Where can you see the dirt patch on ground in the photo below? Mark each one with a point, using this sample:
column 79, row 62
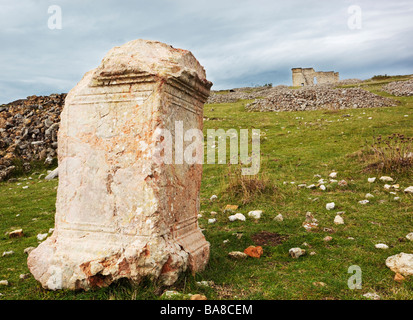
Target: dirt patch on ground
column 265, row 238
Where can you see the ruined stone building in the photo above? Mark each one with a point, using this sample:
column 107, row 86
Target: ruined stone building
column 308, row 77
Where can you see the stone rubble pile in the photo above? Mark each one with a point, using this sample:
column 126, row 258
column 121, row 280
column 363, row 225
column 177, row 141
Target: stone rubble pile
column 28, row 131
column 249, row 93
column 400, row 88
column 319, row 97
column 246, row 93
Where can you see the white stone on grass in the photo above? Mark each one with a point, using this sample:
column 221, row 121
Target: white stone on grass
column 371, row 180
column 333, row 175
column 330, row 206
column 338, row 219
column 386, row 179
column 256, row 214
column 381, row 246
column 237, row 216
column 279, row 218
column 409, row 190
column 401, row 263
column 296, row 252
column 210, row 221
column 42, row 236
column 371, row 296
column 7, row 253
column 410, row 236
column 364, row 201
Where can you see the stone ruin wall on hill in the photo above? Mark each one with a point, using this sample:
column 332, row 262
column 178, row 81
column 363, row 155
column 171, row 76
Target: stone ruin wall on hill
column 308, row 76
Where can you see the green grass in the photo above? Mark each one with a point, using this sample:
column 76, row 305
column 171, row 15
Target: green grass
column 294, row 147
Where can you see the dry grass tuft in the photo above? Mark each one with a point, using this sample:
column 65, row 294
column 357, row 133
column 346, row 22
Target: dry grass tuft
column 391, row 154
column 247, row 188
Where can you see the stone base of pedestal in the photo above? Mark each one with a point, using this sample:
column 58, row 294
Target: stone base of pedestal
column 74, row 261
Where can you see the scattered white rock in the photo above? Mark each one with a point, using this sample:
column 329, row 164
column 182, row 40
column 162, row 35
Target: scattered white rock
column 170, row 293
column 51, row 230
column 205, row 283
column 7, row 253
column 296, row 252
column 279, row 218
column 322, row 181
column 25, row 187
column 24, row 276
column 28, row 250
column 381, row 246
column 333, row 181
column 338, row 219
column 213, row 197
column 328, row 238
column 4, row 283
column 330, row 205
column 312, row 186
column 225, row 241
column 410, row 236
column 333, row 175
column 396, row 198
column 387, row 186
column 237, row 255
column 213, row 213
column 386, row 179
column 53, row 174
column 401, row 263
column 237, row 216
column 323, row 187
column 371, row 180
column 301, row 185
column 256, row 214
column 312, row 253
column 409, row 189
column 369, row 196
column 371, row 296
column 364, row 201
column 210, row 221
column 42, row 236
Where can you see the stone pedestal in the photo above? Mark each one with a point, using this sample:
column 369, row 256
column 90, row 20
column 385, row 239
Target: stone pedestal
column 120, row 212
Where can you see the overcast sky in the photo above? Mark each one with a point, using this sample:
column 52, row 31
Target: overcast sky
column 239, row 42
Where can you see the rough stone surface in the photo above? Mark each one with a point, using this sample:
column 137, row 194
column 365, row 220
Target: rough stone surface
column 401, row 263
column 308, row 76
column 296, row 252
column 236, row 255
column 28, row 131
column 254, row 252
column 120, row 212
column 16, row 233
column 400, row 88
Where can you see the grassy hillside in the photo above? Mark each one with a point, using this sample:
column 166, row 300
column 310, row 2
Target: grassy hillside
column 295, row 146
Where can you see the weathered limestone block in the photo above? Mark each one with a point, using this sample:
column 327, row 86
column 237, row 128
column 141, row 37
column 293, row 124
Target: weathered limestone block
column 120, row 212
